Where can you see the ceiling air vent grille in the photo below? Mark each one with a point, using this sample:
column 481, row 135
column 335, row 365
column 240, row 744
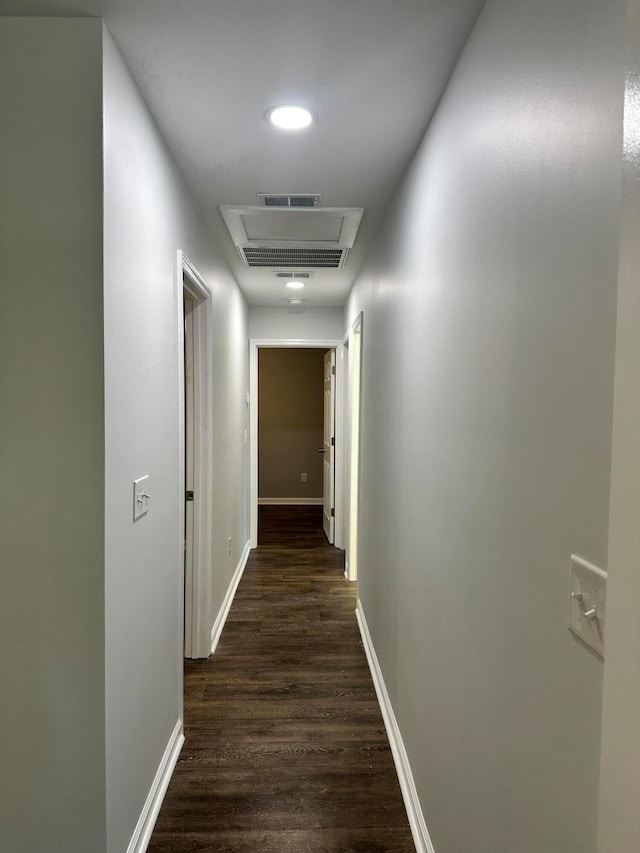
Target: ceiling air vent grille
column 302, row 200
column 285, row 239
column 291, row 275
column 270, row 256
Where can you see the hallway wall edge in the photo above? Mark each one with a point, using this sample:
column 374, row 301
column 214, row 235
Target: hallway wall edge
column 221, row 618
column 418, row 825
column 149, row 814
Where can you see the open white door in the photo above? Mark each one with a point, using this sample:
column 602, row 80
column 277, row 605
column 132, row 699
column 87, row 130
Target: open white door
column 328, row 447
column 189, row 436
column 195, row 350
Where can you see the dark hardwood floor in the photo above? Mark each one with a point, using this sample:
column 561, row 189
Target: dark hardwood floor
column 285, row 745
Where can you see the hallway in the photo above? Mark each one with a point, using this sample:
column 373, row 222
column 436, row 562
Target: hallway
column 285, row 744
column 491, row 150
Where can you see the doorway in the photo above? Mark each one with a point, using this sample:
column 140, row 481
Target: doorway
column 195, row 353
column 256, row 346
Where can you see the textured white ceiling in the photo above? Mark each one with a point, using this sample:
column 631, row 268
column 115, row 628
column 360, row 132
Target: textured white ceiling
column 371, row 70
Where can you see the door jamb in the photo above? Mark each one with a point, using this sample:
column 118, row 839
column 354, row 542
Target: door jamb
column 198, row 645
column 342, row 448
column 350, row 573
column 283, row 343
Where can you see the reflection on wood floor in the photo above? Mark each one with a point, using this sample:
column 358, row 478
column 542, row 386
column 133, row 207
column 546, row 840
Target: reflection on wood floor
column 285, row 745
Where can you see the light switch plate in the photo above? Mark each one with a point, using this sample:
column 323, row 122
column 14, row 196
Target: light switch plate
column 588, row 603
column 141, row 497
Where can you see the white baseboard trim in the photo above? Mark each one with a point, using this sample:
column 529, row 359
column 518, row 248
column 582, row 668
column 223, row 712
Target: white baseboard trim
column 290, row 502
column 221, row 618
column 147, row 820
column 409, row 794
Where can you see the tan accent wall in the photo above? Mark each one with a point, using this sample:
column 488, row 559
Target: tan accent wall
column 290, row 422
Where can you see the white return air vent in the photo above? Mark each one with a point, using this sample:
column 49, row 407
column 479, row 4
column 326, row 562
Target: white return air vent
column 285, row 256
column 293, row 200
column 285, row 238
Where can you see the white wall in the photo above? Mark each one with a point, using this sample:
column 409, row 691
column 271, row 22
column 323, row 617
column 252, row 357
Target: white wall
column 148, row 217
column 88, row 402
column 51, row 438
column 489, row 322
column 294, row 323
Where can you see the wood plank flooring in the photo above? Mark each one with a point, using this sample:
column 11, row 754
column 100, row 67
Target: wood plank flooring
column 285, row 746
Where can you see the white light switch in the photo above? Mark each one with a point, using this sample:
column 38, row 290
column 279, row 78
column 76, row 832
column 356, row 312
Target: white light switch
column 587, row 604
column 141, row 497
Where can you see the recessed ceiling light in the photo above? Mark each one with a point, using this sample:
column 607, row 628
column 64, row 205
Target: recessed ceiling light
column 295, row 285
column 289, row 117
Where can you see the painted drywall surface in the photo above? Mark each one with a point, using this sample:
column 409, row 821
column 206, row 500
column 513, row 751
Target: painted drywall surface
column 489, row 321
column 290, row 422
column 619, row 824
column 51, row 437
column 148, row 217
column 321, row 324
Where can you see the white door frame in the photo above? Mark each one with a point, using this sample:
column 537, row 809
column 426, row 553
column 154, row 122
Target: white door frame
column 283, row 343
column 340, row 455
column 195, row 605
column 350, row 524
column 619, row 826
column 329, row 439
